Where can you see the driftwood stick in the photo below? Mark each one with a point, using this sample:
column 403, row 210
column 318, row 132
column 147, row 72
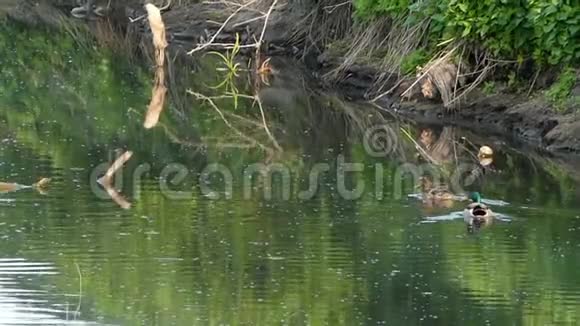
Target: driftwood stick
column 107, row 180
column 116, row 166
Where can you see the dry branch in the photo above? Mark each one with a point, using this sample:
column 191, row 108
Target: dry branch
column 117, row 197
column 106, row 180
column 430, row 67
column 266, row 125
column 230, row 17
column 266, row 19
column 160, row 44
column 116, row 166
column 158, row 30
column 157, row 99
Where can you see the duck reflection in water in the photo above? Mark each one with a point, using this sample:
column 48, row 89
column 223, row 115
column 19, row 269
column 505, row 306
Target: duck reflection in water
column 40, row 186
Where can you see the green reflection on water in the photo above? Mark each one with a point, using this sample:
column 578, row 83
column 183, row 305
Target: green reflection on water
column 321, row 261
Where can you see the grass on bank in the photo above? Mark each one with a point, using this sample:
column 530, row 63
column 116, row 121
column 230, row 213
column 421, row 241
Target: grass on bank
column 559, row 94
column 508, row 41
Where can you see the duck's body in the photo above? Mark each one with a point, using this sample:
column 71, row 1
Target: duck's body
column 477, row 214
column 436, row 196
column 441, row 193
column 11, row 187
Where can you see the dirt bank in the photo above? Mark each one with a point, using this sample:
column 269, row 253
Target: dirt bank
column 531, row 120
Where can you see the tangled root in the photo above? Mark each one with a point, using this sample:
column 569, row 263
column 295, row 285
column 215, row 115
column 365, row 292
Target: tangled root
column 439, row 80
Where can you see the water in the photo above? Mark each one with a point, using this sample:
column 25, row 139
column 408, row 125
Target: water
column 71, row 256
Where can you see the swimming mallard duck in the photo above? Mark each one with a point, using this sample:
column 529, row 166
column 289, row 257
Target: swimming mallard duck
column 436, row 196
column 440, row 193
column 477, row 214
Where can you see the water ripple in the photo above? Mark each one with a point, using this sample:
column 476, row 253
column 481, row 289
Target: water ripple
column 20, row 305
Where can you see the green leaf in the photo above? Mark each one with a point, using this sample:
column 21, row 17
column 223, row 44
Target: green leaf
column 550, row 10
column 219, row 55
column 466, row 31
column 549, row 27
column 438, row 18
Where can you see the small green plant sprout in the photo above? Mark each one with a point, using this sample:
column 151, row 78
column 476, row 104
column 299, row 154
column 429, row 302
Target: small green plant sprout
column 489, row 87
column 231, row 69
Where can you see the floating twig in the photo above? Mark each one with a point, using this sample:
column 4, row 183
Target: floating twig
column 115, row 167
column 107, row 180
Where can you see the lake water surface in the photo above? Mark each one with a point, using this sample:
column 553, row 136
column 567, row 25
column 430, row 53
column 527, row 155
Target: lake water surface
column 178, row 256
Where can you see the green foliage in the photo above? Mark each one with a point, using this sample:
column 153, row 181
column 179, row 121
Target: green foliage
column 412, row 61
column 500, row 26
column 367, row 9
column 547, row 31
column 556, row 31
column 559, row 93
column 516, row 84
column 489, row 87
column 231, row 69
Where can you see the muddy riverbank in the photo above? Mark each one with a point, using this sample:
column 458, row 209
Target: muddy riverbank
column 528, row 119
column 532, row 121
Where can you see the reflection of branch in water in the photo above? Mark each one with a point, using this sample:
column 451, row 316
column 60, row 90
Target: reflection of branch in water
column 116, row 196
column 418, row 147
column 157, row 99
column 266, row 125
column 226, row 121
column 243, row 119
column 361, row 120
column 106, row 180
column 204, row 141
column 441, row 149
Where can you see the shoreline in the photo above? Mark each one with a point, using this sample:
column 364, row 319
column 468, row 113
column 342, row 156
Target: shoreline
column 531, row 120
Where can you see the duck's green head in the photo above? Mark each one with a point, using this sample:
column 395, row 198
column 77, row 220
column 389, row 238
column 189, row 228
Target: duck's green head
column 475, row 197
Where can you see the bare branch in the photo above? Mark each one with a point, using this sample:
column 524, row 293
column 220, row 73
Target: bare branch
column 266, row 19
column 205, row 45
column 431, row 66
column 116, row 166
column 266, row 125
